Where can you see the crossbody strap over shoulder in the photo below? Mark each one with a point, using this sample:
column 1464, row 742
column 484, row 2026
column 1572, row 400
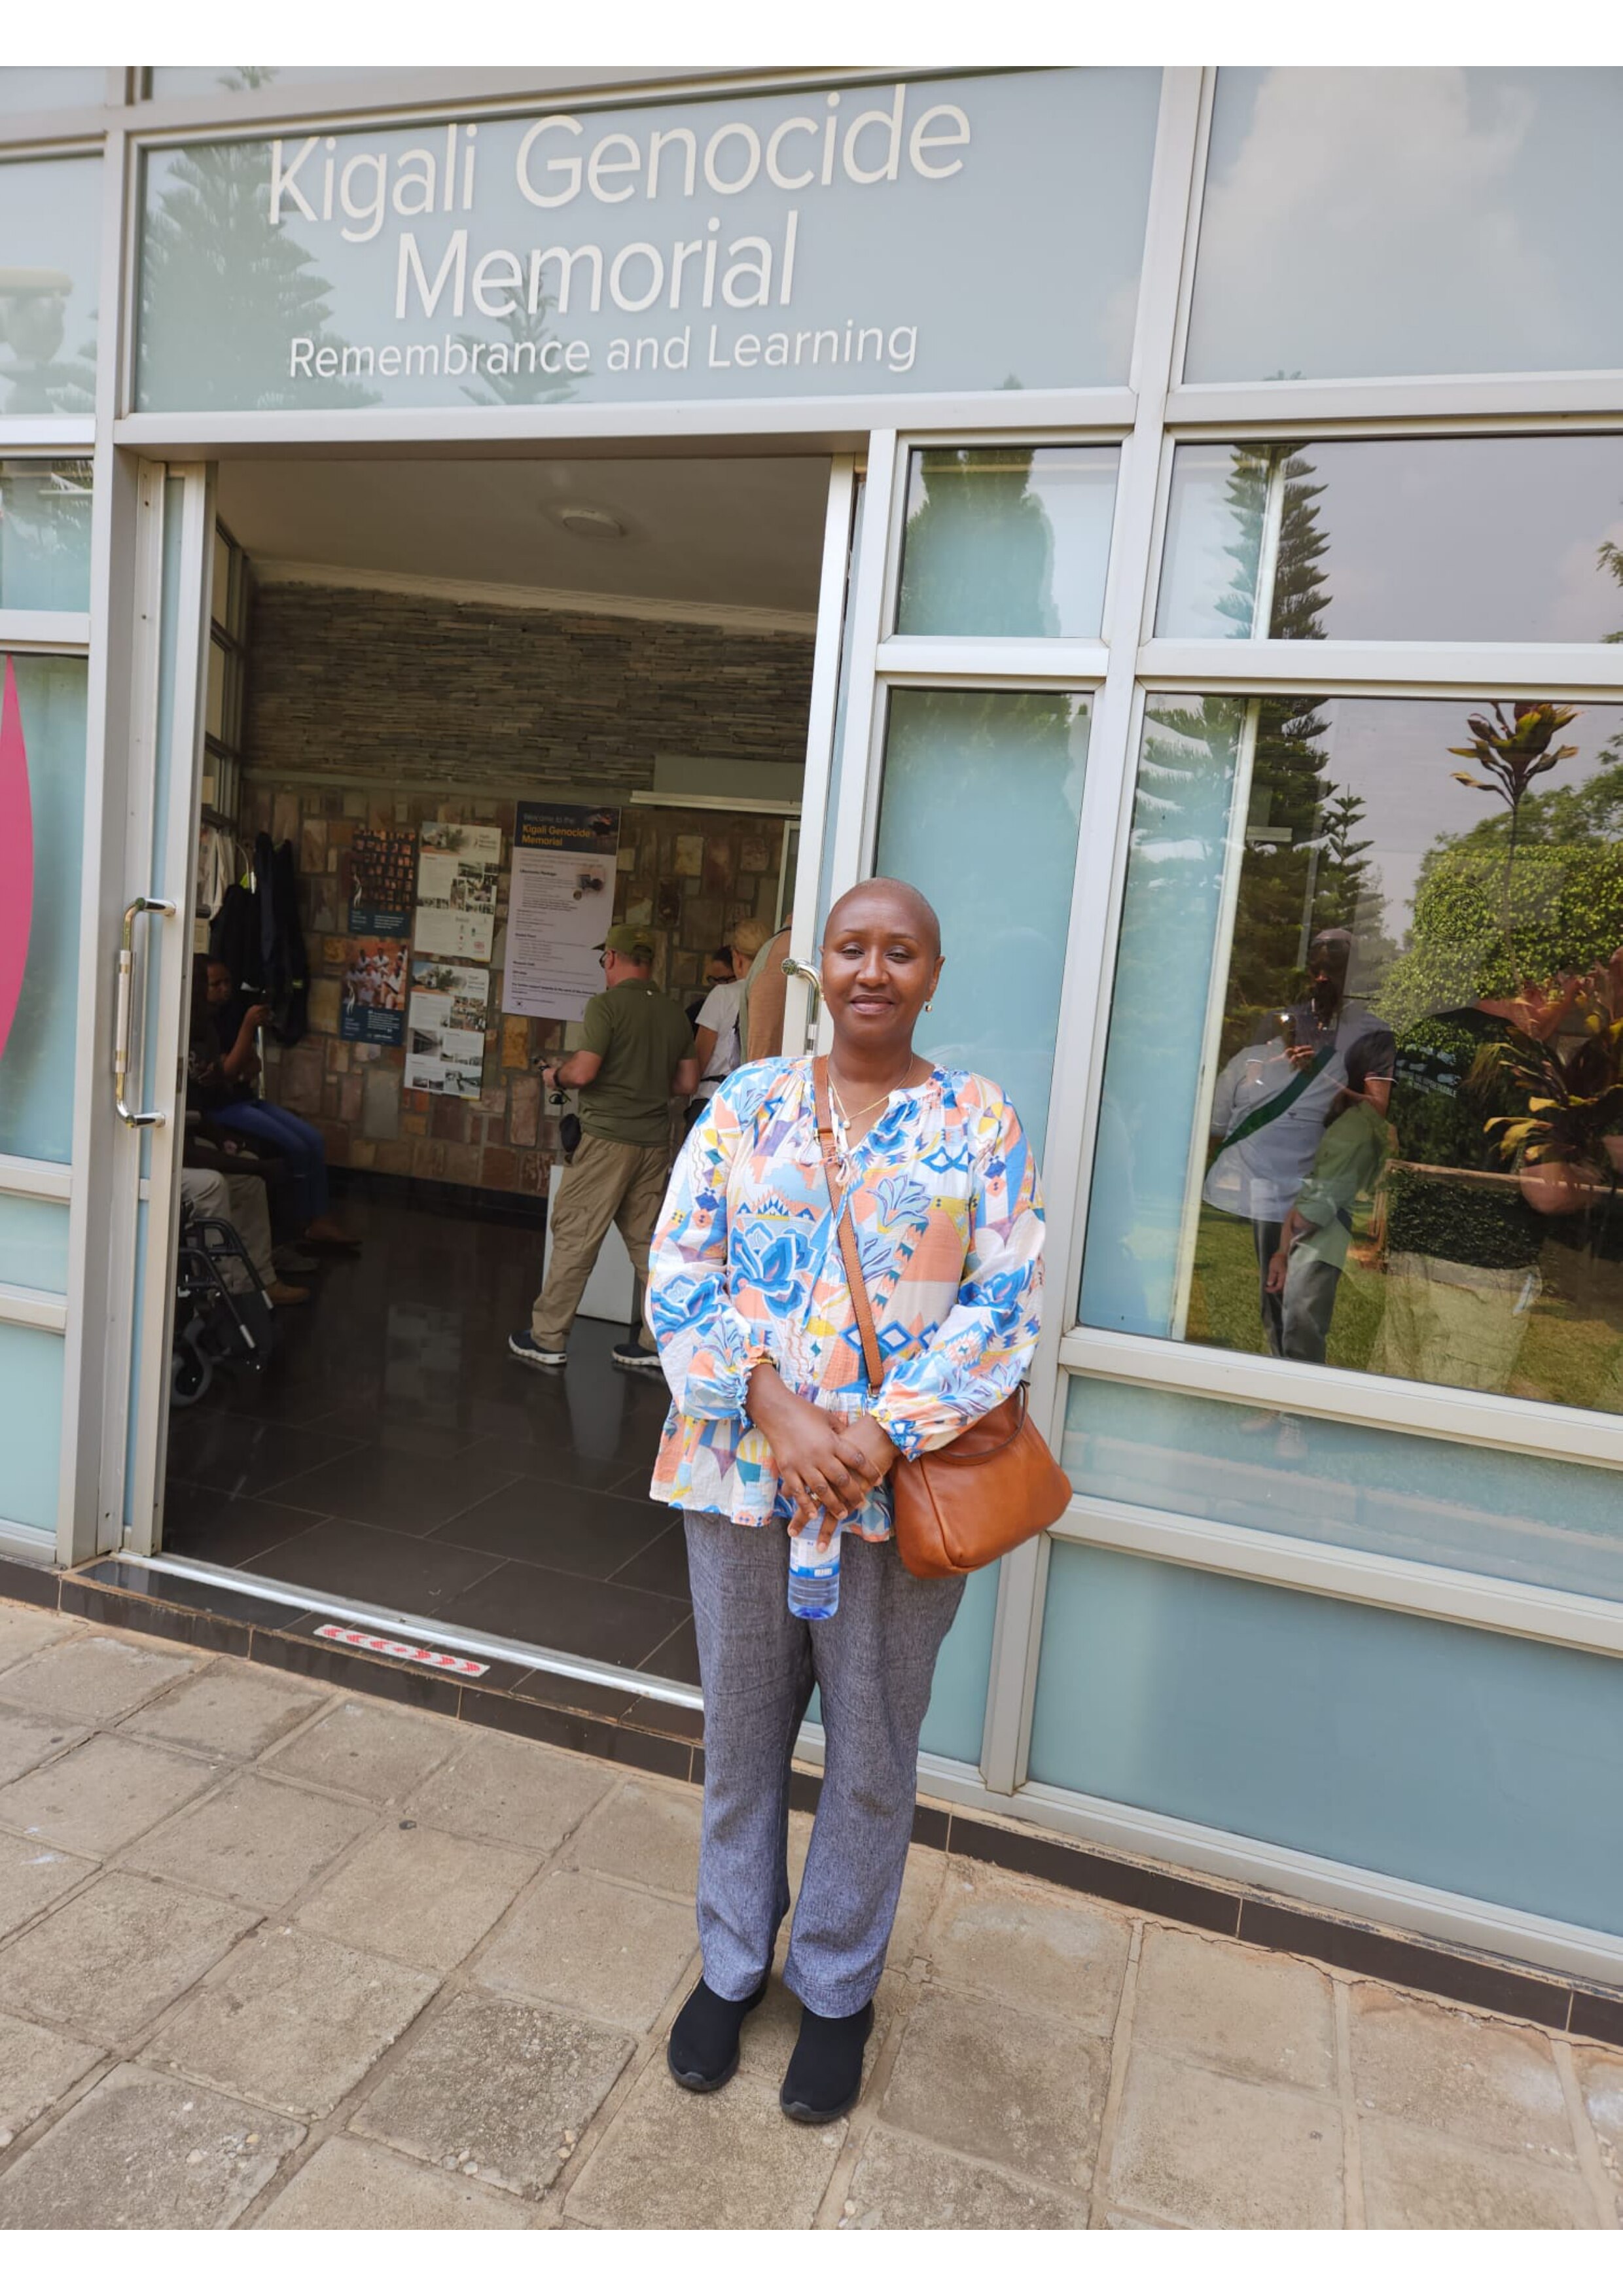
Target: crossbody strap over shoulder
column 845, row 1231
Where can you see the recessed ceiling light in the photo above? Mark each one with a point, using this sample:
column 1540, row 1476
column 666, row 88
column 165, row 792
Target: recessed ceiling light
column 589, row 524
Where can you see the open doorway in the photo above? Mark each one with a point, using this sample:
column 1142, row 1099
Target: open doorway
column 448, row 702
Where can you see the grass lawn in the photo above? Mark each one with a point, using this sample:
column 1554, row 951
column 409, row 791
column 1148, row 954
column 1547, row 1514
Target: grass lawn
column 1572, row 1353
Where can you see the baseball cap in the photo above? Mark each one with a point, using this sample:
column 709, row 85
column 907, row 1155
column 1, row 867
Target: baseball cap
column 628, row 940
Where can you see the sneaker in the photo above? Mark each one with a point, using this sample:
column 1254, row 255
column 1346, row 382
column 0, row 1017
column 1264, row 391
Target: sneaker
column 631, row 1354
column 288, row 1260
column 286, row 1295
column 528, row 1350
column 825, row 2076
column 702, row 2050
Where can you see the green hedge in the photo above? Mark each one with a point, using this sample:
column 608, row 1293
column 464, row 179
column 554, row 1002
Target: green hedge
column 1451, row 1219
column 1566, row 914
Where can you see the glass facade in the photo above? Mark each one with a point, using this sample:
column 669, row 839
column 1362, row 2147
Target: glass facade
column 1006, row 541
column 1341, row 1116
column 45, row 536
column 42, row 789
column 1397, row 221
column 50, row 283
column 1442, row 539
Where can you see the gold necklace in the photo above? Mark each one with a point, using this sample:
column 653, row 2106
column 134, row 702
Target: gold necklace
column 846, row 1116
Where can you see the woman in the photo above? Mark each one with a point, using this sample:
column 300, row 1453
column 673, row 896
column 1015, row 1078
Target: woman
column 715, row 1031
column 222, row 1064
column 772, row 1426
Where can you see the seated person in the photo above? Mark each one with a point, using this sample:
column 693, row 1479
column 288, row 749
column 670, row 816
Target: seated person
column 1306, row 1269
column 221, row 1066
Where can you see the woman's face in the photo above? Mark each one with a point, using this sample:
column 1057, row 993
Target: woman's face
column 880, row 966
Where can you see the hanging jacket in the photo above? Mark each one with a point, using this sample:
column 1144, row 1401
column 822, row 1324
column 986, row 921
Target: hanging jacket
column 234, row 941
column 281, row 941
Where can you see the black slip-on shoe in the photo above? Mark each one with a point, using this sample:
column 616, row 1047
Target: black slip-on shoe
column 825, row 2076
column 702, row 2050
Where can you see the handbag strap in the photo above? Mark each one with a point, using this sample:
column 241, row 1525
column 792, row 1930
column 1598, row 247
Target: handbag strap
column 840, row 1201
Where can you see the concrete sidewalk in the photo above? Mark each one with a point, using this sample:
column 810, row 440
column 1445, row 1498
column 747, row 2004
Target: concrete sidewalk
column 274, row 1956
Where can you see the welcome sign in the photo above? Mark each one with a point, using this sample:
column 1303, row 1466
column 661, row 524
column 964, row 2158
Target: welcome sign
column 984, row 232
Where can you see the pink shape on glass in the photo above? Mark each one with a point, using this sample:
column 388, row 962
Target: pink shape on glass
column 16, row 854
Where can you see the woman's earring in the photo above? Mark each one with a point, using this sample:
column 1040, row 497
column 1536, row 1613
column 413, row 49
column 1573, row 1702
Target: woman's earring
column 929, row 1003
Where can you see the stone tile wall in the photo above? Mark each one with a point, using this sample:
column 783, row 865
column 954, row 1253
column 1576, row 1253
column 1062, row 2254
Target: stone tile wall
column 689, row 873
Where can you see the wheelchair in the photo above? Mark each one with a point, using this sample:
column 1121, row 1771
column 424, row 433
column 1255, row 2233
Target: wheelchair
column 214, row 1324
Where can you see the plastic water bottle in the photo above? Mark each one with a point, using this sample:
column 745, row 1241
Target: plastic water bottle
column 814, row 1577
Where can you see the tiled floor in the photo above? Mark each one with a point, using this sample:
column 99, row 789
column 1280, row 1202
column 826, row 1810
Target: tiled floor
column 273, row 1956
column 394, row 1452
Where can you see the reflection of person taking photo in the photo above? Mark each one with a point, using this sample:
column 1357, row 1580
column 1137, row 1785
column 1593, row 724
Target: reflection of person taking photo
column 1304, row 1273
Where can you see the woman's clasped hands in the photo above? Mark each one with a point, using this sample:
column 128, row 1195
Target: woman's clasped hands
column 827, row 1461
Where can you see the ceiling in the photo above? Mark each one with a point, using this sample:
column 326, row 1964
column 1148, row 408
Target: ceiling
column 743, row 531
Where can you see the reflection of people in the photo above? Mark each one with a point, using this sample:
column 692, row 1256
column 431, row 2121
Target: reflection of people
column 223, row 1064
column 1274, row 1098
column 636, row 1058
column 772, row 1424
column 1306, row 1268
column 718, row 1031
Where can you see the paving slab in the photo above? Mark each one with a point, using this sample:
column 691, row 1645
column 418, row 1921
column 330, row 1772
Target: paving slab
column 507, row 1790
column 672, row 2162
column 1233, row 2006
column 591, row 1945
column 256, row 1840
column 25, row 1629
column 904, row 2186
column 144, row 2154
column 496, row 2090
column 349, row 2186
column 35, row 2068
column 1599, row 2074
column 1416, row 2181
column 1205, row 2149
column 233, row 1712
column 378, row 1751
column 980, row 2078
column 103, row 1794
column 93, row 1678
column 28, row 1740
column 32, row 1877
column 1056, row 1955
column 923, row 1878
column 419, row 1896
column 106, row 1963
column 1465, row 2076
column 293, row 2021
column 644, row 1833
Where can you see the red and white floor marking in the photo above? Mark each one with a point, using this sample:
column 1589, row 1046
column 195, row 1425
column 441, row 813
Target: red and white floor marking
column 357, row 1638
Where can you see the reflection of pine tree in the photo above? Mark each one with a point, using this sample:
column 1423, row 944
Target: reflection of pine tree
column 521, row 387
column 1291, row 788
column 210, row 259
column 979, row 555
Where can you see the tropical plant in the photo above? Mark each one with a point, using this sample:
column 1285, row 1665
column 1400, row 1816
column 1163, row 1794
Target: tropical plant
column 1564, row 1052
column 1513, row 751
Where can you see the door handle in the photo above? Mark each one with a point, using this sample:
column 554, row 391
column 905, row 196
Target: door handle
column 120, row 1050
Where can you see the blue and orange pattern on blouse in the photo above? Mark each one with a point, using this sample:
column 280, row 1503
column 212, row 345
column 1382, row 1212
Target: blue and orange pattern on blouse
column 745, row 1266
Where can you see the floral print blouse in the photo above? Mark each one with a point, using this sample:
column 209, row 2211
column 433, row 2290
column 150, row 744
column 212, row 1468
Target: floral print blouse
column 745, row 1266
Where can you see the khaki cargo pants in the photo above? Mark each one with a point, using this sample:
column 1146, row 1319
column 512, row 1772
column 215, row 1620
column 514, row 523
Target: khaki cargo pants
column 607, row 1183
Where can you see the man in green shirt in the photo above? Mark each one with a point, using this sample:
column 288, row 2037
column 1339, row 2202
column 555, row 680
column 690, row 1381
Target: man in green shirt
column 1306, row 1269
column 638, row 1056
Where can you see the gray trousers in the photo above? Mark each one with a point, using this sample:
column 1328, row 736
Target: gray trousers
column 871, row 1662
column 1307, row 1307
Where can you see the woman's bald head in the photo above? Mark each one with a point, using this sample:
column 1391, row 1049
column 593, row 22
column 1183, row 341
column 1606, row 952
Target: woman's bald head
column 888, row 901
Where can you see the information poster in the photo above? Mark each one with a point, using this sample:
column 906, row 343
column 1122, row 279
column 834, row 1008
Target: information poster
column 458, row 865
column 559, row 906
column 382, row 863
column 445, row 1043
column 372, row 1006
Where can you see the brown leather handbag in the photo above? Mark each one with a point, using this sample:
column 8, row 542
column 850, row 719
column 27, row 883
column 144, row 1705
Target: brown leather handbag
column 987, row 1491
